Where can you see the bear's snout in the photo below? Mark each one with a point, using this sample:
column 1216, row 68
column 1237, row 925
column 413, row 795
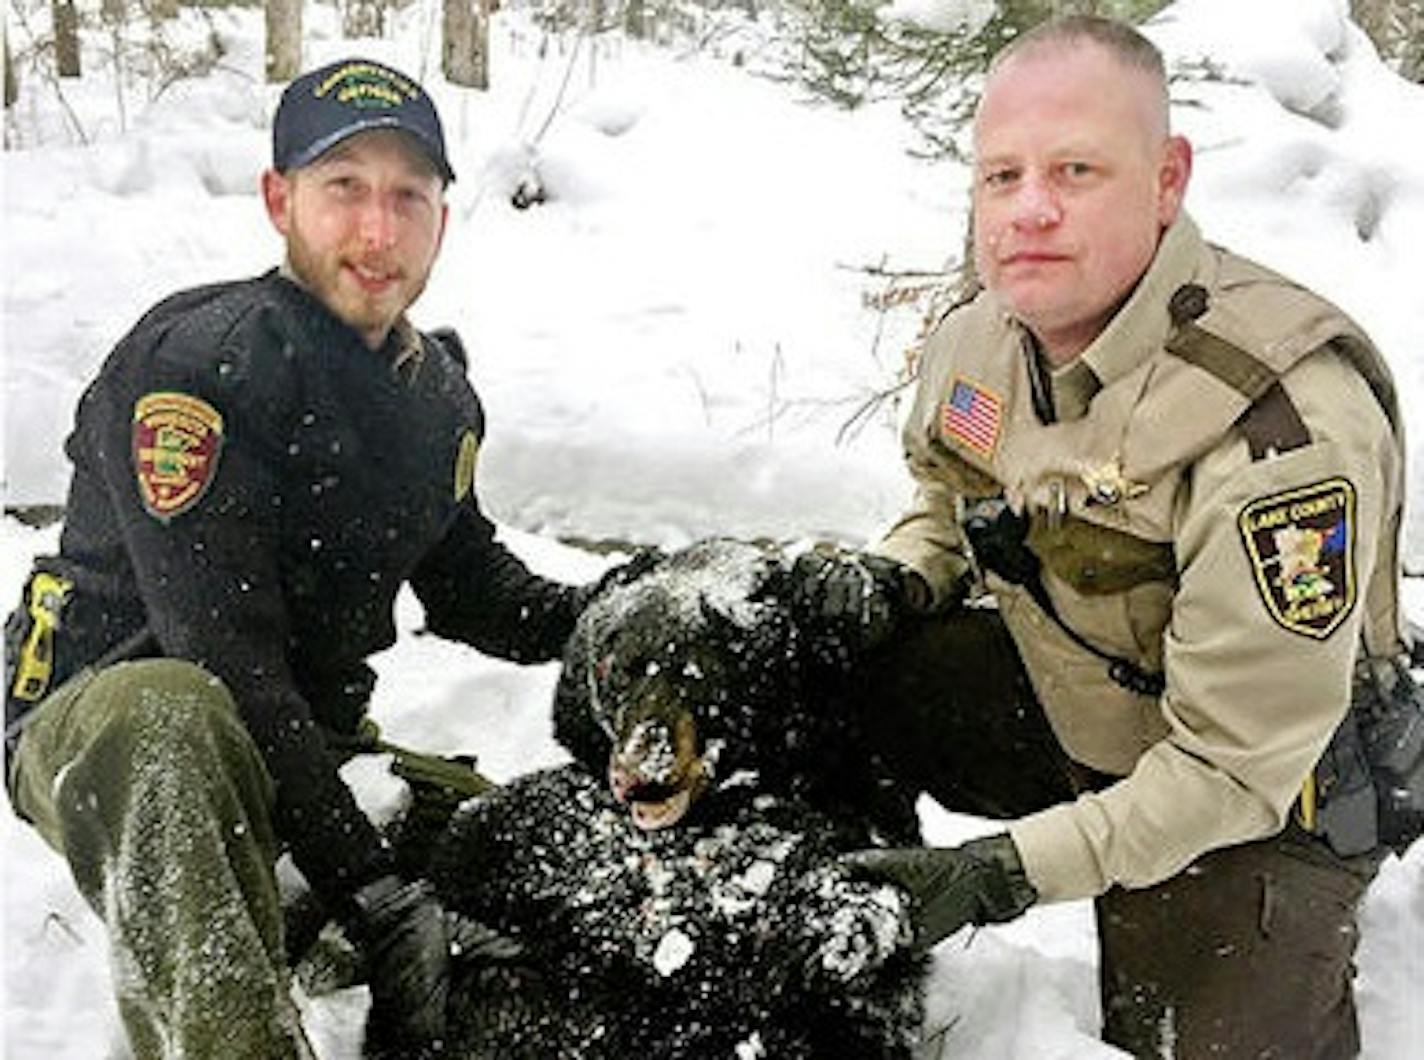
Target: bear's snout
column 656, row 769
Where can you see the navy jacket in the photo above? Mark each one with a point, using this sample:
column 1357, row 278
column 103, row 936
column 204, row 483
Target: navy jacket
column 251, row 487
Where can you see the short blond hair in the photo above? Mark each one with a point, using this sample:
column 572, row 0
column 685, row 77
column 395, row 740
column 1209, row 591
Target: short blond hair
column 1123, row 42
column 1128, row 45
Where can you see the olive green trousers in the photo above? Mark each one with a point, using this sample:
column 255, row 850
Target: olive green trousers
column 143, row 776
column 1248, row 954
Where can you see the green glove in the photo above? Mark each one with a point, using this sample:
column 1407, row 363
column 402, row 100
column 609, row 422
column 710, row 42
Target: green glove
column 981, row 882
column 453, row 777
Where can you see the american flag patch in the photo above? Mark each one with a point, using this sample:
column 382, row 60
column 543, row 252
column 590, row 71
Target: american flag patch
column 971, row 416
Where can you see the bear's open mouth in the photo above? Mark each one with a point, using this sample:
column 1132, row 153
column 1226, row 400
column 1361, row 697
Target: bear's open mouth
column 657, row 804
column 653, row 791
column 652, row 814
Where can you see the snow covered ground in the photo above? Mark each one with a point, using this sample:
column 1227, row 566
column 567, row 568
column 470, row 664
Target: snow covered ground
column 669, row 348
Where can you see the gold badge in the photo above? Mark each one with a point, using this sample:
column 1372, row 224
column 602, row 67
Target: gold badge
column 1107, row 485
column 465, row 465
column 176, row 441
column 1301, row 544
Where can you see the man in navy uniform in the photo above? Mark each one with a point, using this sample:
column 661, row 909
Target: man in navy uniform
column 258, row 468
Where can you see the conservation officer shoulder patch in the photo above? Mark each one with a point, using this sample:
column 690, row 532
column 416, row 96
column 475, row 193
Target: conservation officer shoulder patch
column 176, row 441
column 970, row 416
column 1301, row 544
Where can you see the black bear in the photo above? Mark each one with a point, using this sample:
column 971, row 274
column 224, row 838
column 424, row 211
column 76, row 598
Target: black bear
column 676, row 892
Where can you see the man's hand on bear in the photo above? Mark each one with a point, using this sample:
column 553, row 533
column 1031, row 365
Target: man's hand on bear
column 643, row 559
column 401, row 928
column 980, row 882
column 855, row 593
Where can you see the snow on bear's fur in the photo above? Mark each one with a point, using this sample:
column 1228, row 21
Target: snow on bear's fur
column 676, row 891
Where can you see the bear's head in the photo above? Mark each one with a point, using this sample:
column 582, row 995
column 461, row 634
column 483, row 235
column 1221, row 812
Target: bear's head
column 688, row 676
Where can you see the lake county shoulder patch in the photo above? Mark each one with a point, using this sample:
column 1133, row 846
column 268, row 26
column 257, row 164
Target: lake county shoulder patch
column 1301, row 544
column 176, row 442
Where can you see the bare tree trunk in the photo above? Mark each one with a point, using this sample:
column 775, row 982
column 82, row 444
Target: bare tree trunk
column 66, row 38
column 284, row 39
column 465, row 43
column 596, row 12
column 966, row 281
column 363, row 18
column 483, row 10
column 634, row 19
column 12, row 83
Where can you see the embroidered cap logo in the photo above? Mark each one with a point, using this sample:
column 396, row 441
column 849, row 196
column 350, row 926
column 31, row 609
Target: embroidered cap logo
column 366, row 85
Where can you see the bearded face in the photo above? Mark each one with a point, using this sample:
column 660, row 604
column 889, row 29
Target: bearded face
column 363, row 225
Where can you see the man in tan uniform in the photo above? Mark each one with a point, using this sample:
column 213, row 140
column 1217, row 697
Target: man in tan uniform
column 1179, row 477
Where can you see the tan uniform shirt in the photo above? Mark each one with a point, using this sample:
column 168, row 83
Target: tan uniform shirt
column 1250, row 583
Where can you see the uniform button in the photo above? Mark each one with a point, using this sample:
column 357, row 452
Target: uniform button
column 1187, row 303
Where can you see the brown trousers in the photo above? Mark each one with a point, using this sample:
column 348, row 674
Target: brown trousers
column 1248, row 953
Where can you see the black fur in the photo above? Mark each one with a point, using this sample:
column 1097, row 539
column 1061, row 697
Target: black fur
column 733, row 932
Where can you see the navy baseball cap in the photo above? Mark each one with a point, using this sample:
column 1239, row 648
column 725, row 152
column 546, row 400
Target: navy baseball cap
column 321, row 108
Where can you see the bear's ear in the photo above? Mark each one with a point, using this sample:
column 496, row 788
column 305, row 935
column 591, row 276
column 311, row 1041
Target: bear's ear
column 719, row 627
column 774, row 585
column 576, row 727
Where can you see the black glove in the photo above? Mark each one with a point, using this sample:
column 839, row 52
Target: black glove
column 643, row 560
column 402, row 930
column 981, row 882
column 855, row 592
